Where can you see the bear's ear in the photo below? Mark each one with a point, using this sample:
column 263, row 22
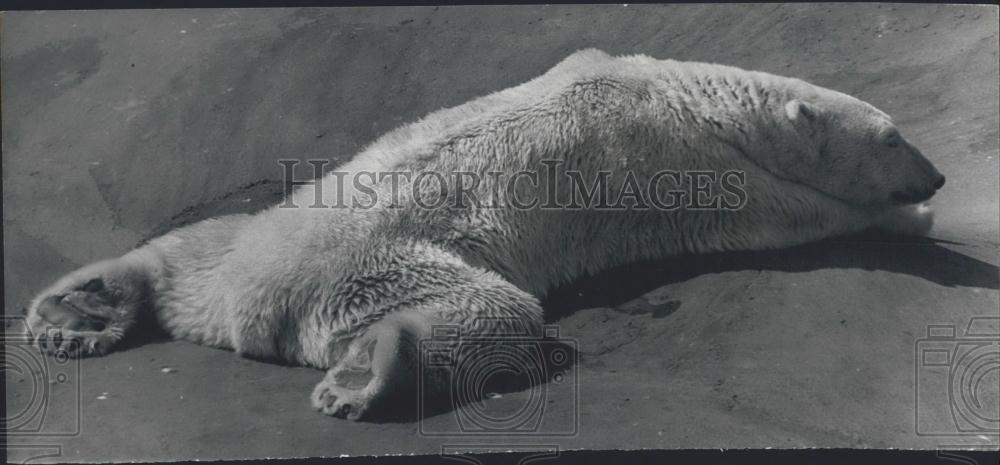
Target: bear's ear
column 797, row 110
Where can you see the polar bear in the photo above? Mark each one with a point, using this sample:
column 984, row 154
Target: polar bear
column 352, row 289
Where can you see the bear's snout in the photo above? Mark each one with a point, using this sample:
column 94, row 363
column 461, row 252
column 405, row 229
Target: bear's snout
column 940, row 182
column 908, row 197
column 911, row 196
column 925, row 179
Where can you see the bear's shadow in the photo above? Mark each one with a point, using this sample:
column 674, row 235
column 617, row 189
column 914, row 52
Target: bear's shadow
column 925, row 258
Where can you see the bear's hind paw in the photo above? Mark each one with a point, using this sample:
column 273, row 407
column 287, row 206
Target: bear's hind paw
column 89, row 310
column 77, row 324
column 340, row 402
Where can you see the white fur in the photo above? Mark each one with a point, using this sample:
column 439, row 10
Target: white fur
column 300, row 284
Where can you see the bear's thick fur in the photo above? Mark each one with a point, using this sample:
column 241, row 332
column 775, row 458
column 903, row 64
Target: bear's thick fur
column 353, row 289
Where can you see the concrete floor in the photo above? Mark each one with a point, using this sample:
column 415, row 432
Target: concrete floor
column 119, row 125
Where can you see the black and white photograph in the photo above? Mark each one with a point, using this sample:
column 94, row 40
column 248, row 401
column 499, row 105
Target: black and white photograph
column 237, row 233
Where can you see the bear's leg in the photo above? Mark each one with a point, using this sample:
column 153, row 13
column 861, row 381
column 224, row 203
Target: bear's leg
column 89, row 310
column 381, row 365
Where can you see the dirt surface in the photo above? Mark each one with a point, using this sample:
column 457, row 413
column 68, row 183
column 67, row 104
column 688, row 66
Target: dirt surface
column 119, row 125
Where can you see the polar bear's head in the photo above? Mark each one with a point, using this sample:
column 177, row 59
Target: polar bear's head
column 850, row 150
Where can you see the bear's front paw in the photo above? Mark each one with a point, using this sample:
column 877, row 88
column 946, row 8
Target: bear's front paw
column 909, row 220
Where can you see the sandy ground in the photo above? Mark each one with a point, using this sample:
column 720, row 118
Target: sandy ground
column 119, row 125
